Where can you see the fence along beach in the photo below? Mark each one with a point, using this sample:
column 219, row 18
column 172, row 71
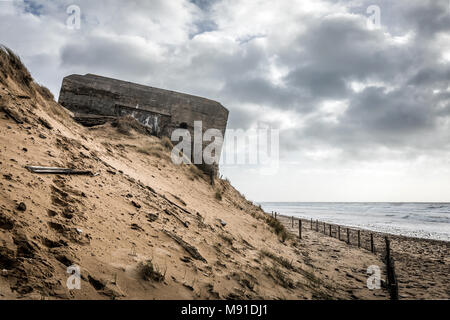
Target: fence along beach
column 412, row 268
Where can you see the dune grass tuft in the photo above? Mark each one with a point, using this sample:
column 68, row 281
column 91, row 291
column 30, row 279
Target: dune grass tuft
column 151, row 272
column 280, row 260
column 218, row 194
column 195, row 172
column 279, row 276
column 12, row 66
column 278, row 228
column 167, row 143
column 124, row 125
column 45, row 92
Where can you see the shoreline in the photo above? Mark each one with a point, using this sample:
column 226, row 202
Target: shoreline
column 422, row 265
column 409, row 219
column 368, row 230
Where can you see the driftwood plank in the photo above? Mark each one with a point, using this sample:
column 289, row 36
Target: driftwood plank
column 54, row 170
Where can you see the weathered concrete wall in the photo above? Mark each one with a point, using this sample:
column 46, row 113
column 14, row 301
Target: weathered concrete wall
column 162, row 110
column 159, row 123
column 92, row 94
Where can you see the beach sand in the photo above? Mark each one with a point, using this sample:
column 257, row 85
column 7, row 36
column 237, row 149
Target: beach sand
column 422, row 266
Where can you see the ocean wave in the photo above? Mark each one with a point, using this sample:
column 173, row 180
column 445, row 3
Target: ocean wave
column 423, row 220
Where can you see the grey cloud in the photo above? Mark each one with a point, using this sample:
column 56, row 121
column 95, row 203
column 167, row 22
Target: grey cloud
column 400, row 120
column 318, row 84
column 250, row 37
column 203, row 26
column 204, row 4
column 108, row 57
column 402, row 113
column 259, row 91
column 241, row 118
column 397, row 112
column 33, row 7
column 426, row 17
column 337, row 50
column 433, row 77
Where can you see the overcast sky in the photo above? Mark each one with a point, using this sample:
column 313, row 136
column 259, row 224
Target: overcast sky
column 363, row 111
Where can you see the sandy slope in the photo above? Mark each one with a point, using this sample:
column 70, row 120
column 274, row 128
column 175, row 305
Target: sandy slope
column 141, row 207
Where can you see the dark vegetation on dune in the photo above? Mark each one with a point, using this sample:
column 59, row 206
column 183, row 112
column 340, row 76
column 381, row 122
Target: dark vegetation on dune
column 11, row 66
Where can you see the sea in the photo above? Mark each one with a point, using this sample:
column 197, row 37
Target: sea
column 420, row 220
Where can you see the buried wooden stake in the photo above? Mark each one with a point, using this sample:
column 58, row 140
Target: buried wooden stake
column 359, row 238
column 372, row 247
column 317, row 225
column 330, row 231
column 390, row 271
column 292, row 221
column 311, row 223
column 348, row 236
column 211, row 177
column 339, row 232
column 299, row 229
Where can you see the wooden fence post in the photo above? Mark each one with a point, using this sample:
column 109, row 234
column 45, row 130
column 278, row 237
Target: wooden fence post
column 339, row 232
column 372, row 247
column 348, row 236
column 311, row 223
column 300, row 229
column 390, row 271
column 275, row 214
column 330, row 231
column 292, row 221
column 359, row 238
column 211, row 177
column 388, row 247
column 317, row 225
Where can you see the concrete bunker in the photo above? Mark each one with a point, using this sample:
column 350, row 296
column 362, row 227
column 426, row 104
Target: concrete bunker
column 95, row 100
